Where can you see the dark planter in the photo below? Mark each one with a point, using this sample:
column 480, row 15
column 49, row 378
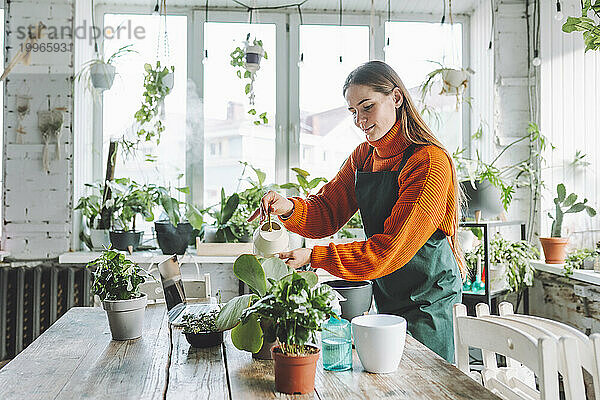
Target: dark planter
column 485, row 197
column 121, row 240
column 295, row 374
column 204, row 339
column 358, row 297
column 173, row 240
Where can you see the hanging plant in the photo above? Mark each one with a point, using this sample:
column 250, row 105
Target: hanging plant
column 454, row 82
column 158, row 83
column 585, row 24
column 247, row 63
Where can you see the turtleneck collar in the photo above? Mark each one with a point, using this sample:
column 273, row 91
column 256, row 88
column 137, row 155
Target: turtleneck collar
column 391, row 144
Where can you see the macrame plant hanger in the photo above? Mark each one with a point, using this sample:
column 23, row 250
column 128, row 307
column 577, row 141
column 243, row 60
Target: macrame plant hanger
column 162, row 45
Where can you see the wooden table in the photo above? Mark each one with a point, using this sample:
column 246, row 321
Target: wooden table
column 76, row 358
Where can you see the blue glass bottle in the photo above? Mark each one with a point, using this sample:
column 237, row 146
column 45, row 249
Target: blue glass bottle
column 336, row 342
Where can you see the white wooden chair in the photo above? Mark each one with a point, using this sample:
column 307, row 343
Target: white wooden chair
column 196, row 290
column 569, row 362
column 538, row 354
column 588, row 357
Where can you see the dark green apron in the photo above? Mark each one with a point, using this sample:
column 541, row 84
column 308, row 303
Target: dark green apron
column 424, row 290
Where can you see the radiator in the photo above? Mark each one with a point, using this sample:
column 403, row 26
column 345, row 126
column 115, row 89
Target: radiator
column 33, row 297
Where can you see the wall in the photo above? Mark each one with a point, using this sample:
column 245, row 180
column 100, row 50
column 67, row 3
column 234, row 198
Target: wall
column 37, row 203
column 570, row 100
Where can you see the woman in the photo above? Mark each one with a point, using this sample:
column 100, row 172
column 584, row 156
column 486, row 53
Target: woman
column 404, row 184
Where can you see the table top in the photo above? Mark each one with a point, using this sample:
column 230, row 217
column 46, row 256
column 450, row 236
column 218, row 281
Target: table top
column 76, row 358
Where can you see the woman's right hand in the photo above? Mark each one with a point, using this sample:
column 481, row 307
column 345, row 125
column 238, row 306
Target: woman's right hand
column 274, row 203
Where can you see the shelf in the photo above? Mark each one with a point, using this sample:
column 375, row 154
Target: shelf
column 491, row 224
column 584, row 275
column 143, row 257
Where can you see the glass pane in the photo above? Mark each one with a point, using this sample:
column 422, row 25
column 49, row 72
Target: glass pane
column 230, row 135
column 328, row 134
column 413, row 59
column 124, row 98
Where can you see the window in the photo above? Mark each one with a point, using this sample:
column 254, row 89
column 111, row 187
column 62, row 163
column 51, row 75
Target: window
column 327, row 131
column 428, row 42
column 124, row 99
column 230, row 134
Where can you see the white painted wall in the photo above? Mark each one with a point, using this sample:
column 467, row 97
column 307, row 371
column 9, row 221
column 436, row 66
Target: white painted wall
column 570, row 104
column 37, row 204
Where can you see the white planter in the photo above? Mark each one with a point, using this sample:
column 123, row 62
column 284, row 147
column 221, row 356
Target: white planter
column 100, row 239
column 253, row 56
column 169, row 80
column 466, row 238
column 454, row 81
column 267, row 242
column 379, row 340
column 498, row 279
column 210, row 234
column 126, row 317
column 102, row 75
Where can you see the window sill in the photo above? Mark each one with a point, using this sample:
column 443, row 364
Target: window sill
column 584, row 275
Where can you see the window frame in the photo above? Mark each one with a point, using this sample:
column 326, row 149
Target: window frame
column 287, row 104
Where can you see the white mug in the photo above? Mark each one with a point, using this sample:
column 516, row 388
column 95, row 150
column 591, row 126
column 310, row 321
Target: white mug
column 270, row 238
column 379, row 340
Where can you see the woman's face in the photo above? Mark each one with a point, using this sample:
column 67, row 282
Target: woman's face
column 374, row 112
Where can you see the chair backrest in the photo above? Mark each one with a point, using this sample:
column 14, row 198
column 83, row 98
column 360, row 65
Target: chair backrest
column 569, row 362
column 540, row 355
column 195, row 290
column 584, row 344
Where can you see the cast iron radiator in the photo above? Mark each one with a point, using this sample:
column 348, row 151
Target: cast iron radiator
column 33, row 297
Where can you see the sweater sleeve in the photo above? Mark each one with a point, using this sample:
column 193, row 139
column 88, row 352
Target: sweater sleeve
column 324, row 213
column 424, row 188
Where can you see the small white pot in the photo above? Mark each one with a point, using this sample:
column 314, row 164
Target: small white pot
column 379, row 341
column 267, row 242
column 126, row 317
column 253, row 56
column 169, row 80
column 454, row 81
column 102, row 75
column 100, row 239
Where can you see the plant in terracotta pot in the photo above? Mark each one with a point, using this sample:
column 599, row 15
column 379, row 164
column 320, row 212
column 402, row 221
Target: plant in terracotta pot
column 116, row 282
column 297, row 308
column 555, row 245
column 257, row 274
column 129, row 200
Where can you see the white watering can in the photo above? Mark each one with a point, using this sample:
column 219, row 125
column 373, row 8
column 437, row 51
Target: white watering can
column 270, row 238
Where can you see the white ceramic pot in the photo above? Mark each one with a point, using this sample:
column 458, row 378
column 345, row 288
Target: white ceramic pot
column 379, row 340
column 102, row 75
column 253, row 56
column 454, row 81
column 466, row 238
column 100, row 239
column 126, row 317
column 169, row 80
column 270, row 239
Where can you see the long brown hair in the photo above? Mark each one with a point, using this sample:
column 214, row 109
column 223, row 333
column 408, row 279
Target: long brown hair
column 383, row 79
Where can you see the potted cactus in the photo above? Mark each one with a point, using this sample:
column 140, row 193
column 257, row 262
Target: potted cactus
column 555, row 245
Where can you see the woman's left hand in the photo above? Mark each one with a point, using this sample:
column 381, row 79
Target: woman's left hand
column 296, row 258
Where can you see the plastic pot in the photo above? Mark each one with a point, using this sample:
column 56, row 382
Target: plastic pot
column 171, row 239
column 204, row 339
column 295, row 374
column 126, row 317
column 358, row 296
column 121, row 240
column 100, row 239
column 102, row 75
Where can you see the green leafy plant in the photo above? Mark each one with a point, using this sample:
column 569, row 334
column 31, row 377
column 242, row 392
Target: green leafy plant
column 303, row 186
column 585, row 24
column 205, row 322
column 259, row 275
column 175, row 209
column 574, row 260
column 222, row 213
column 154, row 94
column 570, row 203
column 238, row 61
column 129, row 200
column 515, row 254
column 91, row 206
column 115, row 277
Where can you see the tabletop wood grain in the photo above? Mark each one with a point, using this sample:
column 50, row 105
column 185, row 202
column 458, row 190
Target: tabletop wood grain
column 76, row 358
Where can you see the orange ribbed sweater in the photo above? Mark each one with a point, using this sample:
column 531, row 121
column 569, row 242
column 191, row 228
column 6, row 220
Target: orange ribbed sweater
column 426, row 202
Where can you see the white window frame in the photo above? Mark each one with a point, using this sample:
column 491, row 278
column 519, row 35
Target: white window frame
column 287, row 107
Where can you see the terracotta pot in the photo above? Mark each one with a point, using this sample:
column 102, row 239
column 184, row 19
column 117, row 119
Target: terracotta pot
column 295, row 374
column 555, row 249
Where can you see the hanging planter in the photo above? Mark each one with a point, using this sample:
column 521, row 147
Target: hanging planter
column 453, row 82
column 102, row 75
column 99, row 73
column 247, row 61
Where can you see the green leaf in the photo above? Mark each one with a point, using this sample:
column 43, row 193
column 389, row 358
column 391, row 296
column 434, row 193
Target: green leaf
column 247, row 268
column 570, row 200
column 232, row 204
column 230, row 314
column 247, row 88
column 248, row 336
column 239, row 73
column 313, row 183
column 302, row 181
column 311, row 278
column 275, row 269
column 247, row 74
column 252, row 111
column 562, row 192
column 300, row 171
column 575, row 208
column 591, row 212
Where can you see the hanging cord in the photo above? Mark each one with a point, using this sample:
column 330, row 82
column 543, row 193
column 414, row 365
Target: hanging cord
column 163, row 16
column 493, row 23
column 444, row 13
column 300, row 13
column 340, row 12
column 387, row 43
column 94, row 26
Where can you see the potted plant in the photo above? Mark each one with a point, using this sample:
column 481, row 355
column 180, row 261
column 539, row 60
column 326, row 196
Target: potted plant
column 116, row 282
column 99, row 73
column 247, row 62
column 297, row 309
column 453, row 81
column 258, row 276
column 222, row 231
column 91, row 207
column 585, row 24
column 130, row 199
column 201, row 330
column 555, row 245
column 158, row 83
column 578, row 258
column 173, row 233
